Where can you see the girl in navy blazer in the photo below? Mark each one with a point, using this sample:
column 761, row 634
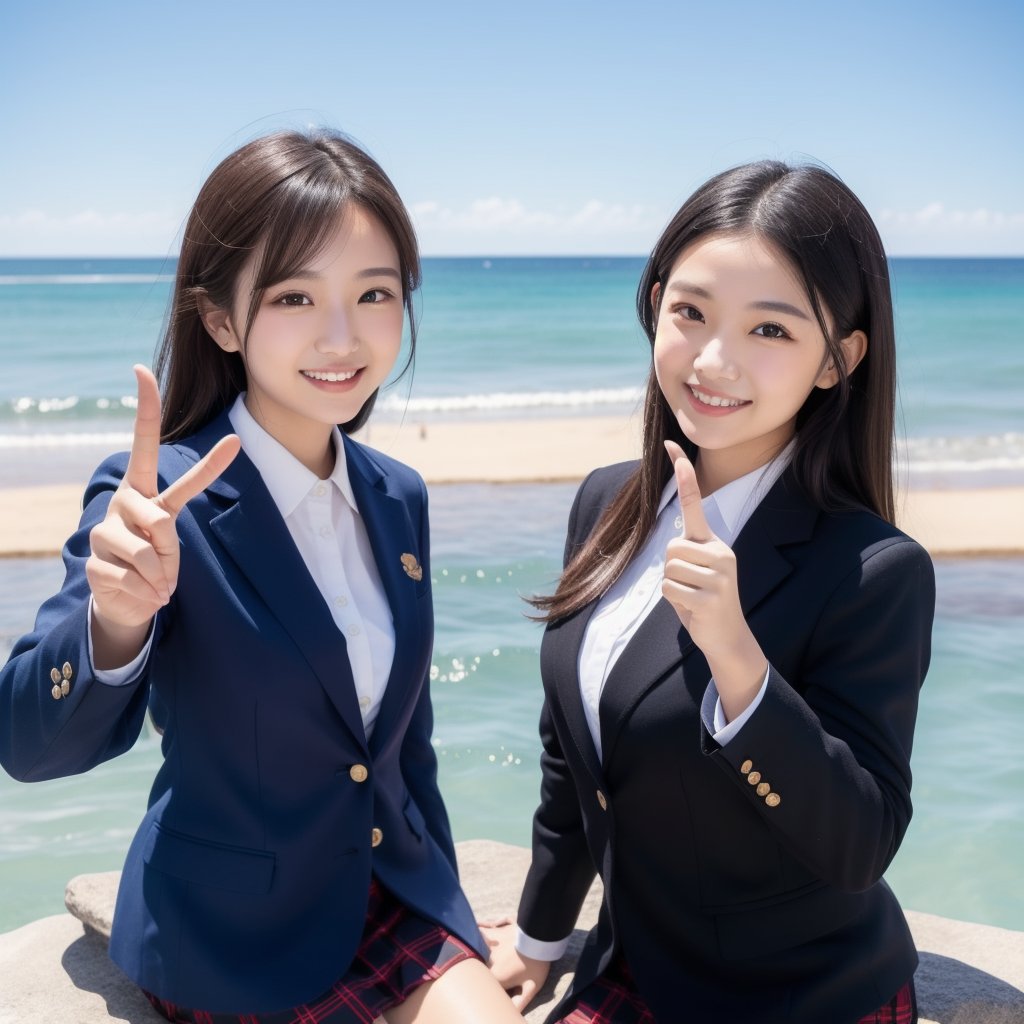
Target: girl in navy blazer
column 734, row 651
column 263, row 583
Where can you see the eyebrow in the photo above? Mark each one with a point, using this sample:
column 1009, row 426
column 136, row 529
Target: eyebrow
column 767, row 305
column 309, row 275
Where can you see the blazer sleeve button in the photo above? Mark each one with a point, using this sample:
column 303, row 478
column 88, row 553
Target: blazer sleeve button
column 754, row 778
column 773, row 799
column 746, row 766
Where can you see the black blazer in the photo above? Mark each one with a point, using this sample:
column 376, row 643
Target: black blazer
column 245, row 888
column 744, row 883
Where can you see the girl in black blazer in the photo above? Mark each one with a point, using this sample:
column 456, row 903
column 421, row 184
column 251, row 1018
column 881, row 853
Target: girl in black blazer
column 272, row 606
column 734, row 651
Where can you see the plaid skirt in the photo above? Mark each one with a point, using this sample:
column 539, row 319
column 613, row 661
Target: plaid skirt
column 613, row 999
column 399, row 951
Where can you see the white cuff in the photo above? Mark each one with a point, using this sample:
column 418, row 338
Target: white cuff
column 714, row 717
column 535, row 949
column 126, row 674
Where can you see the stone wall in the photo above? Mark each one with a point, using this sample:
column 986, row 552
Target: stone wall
column 57, row 970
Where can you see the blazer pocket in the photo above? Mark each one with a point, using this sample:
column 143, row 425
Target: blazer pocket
column 782, row 922
column 414, row 818
column 203, row 862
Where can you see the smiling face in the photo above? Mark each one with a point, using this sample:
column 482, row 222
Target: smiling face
column 322, row 340
column 737, row 351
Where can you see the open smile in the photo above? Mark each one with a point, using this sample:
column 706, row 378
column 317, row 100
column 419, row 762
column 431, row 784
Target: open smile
column 331, row 376
column 713, row 403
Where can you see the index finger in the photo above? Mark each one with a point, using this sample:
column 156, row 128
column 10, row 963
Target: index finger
column 695, row 526
column 175, row 496
column 142, row 461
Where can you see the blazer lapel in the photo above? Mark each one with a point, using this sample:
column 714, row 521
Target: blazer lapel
column 783, row 518
column 253, row 532
column 392, row 535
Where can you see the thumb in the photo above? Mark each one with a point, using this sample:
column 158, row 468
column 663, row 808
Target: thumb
column 525, row 995
column 695, row 526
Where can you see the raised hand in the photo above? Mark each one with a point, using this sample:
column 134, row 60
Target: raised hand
column 521, row 976
column 700, row 583
column 133, row 568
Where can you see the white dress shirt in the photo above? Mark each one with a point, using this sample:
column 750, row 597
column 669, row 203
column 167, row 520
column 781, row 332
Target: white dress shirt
column 622, row 609
column 325, row 524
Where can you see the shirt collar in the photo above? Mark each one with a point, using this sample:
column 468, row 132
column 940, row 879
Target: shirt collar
column 737, row 500
column 287, row 479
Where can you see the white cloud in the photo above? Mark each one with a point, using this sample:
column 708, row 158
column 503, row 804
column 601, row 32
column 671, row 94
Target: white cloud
column 936, row 229
column 502, row 225
column 35, row 232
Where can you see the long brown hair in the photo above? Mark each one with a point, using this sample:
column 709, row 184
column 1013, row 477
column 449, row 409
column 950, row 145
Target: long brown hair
column 279, row 196
column 844, row 443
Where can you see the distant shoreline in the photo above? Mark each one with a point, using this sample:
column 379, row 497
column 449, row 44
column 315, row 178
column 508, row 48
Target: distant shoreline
column 36, row 520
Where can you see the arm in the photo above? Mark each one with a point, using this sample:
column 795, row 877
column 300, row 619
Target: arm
column 834, row 744
column 418, row 758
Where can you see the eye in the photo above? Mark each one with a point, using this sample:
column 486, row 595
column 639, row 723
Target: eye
column 375, row 296
column 772, row 330
column 292, row 299
column 688, row 312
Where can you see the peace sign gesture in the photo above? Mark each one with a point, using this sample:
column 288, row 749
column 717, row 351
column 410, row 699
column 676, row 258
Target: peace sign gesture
column 700, row 583
column 133, row 568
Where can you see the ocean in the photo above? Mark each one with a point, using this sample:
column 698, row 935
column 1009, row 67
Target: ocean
column 533, row 337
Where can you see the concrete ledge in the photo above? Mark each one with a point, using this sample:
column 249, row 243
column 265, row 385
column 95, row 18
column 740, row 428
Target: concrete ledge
column 57, row 969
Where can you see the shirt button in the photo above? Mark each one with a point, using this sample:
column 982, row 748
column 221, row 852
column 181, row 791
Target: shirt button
column 376, row 837
column 364, row 703
column 353, row 630
column 320, row 490
column 341, row 601
column 325, row 531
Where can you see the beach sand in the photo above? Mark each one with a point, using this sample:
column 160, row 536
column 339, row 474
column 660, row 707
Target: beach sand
column 35, row 521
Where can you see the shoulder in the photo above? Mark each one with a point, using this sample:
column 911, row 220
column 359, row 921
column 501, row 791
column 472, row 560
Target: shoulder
column 600, row 486
column 375, row 465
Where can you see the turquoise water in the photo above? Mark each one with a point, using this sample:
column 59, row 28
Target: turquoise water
column 492, row 543
column 521, row 336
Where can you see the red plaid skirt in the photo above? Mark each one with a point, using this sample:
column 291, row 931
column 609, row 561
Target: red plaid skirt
column 613, row 999
column 399, row 952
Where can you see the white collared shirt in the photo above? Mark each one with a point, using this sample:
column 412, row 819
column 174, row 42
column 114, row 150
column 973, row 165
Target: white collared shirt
column 325, row 524
column 633, row 596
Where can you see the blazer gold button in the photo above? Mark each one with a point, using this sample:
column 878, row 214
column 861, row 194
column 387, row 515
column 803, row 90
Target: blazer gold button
column 602, row 801
column 55, row 676
column 376, row 837
column 773, row 799
column 55, row 692
column 66, row 670
column 754, row 778
column 358, row 773
column 764, row 789
column 746, row 766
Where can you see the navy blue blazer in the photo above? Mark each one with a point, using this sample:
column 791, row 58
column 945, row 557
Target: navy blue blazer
column 743, row 883
column 245, row 887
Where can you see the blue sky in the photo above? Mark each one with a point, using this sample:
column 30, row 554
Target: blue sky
column 518, row 127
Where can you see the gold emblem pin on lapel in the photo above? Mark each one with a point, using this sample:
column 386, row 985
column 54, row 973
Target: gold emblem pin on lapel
column 412, row 568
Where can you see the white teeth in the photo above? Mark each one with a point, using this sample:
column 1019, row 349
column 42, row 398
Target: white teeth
column 715, row 400
column 317, row 375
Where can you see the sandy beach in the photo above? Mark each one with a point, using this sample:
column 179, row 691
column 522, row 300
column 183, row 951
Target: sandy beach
column 35, row 521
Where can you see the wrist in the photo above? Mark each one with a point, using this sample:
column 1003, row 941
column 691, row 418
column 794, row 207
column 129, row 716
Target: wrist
column 115, row 644
column 738, row 674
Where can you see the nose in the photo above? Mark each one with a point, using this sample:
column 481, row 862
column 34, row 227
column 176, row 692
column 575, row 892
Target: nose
column 714, row 360
column 337, row 333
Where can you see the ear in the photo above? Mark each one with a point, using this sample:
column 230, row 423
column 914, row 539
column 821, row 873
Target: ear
column 218, row 324
column 656, row 298
column 854, row 347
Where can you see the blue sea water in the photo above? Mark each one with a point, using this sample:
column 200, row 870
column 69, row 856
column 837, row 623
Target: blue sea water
column 536, row 337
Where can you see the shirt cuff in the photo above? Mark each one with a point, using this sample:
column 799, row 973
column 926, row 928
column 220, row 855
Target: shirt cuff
column 535, row 949
column 714, row 717
column 127, row 673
